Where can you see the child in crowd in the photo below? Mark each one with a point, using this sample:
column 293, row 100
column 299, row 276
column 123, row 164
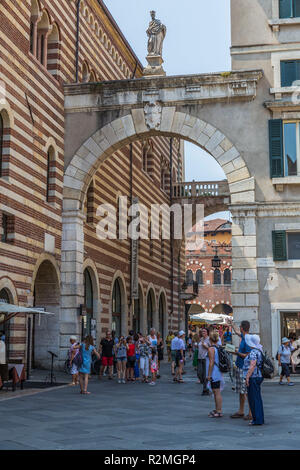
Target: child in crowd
column 154, row 365
column 145, row 352
column 130, row 359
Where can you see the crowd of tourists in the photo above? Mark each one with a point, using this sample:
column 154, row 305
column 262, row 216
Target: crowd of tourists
column 137, row 358
column 134, row 358
column 247, row 371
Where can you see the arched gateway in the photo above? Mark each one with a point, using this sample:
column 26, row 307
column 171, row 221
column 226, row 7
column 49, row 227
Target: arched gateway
column 102, row 118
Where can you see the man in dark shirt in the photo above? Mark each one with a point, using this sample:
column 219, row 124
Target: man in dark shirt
column 242, row 352
column 106, row 349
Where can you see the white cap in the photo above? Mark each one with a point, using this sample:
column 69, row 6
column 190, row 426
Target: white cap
column 181, row 333
column 74, row 338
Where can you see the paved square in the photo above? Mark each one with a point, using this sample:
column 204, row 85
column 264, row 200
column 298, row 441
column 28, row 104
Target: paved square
column 137, row 416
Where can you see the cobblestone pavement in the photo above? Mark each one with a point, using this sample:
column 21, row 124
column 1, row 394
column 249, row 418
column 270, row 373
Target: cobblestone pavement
column 137, row 416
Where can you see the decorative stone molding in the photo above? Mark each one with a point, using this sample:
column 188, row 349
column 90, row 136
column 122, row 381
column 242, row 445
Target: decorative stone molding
column 153, row 115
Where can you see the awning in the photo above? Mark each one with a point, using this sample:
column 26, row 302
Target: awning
column 212, row 318
column 8, row 311
column 10, row 308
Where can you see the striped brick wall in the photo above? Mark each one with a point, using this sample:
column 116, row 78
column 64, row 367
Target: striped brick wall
column 33, row 114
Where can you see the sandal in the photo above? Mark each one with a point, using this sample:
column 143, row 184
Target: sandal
column 181, row 381
column 216, row 415
column 237, row 415
column 175, row 380
column 86, row 393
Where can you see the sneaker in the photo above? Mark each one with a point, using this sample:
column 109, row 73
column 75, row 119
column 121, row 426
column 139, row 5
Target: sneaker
column 119, row 381
column 280, row 383
column 291, row 384
column 152, row 383
column 123, row 381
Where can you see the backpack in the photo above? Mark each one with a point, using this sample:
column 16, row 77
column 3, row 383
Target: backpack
column 224, row 361
column 78, row 359
column 267, row 367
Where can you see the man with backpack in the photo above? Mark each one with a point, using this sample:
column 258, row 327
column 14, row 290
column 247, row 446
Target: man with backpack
column 242, row 353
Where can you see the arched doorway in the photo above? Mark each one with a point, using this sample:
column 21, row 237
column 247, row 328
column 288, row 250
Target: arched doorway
column 46, row 329
column 87, row 326
column 116, row 324
column 150, row 310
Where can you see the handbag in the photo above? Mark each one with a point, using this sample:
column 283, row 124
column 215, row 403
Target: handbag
column 78, row 359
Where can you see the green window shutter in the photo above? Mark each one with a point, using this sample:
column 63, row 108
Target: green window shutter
column 279, row 245
column 288, row 72
column 296, row 8
column 276, row 148
column 285, row 8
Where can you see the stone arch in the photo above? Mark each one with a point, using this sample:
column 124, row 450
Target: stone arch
column 151, row 297
column 46, row 294
column 91, row 267
column 7, row 115
column 7, row 284
column 41, row 259
column 122, row 131
column 124, row 307
column 132, row 127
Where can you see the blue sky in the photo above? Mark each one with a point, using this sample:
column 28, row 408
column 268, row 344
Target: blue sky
column 197, row 41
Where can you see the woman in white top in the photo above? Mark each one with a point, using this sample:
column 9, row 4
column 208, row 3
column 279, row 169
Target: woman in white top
column 152, row 338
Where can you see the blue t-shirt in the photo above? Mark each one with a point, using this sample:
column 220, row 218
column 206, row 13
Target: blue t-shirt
column 244, row 349
column 228, row 337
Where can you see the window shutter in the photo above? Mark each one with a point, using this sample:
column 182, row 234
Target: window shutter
column 288, row 72
column 276, row 148
column 285, row 8
column 296, row 8
column 279, row 245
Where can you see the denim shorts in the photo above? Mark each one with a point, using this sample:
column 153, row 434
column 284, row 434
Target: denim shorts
column 285, row 370
column 121, row 359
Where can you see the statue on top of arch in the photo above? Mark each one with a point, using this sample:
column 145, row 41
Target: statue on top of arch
column 156, row 33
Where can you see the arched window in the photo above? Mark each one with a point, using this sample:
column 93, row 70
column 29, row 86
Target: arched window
column 50, row 175
column 33, row 27
column 189, row 277
column 85, row 73
column 148, row 160
column 199, row 277
column 42, row 33
column 53, row 51
column 1, row 144
column 116, row 308
column 227, row 276
column 150, row 309
column 88, row 302
column 92, row 76
column 217, row 276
